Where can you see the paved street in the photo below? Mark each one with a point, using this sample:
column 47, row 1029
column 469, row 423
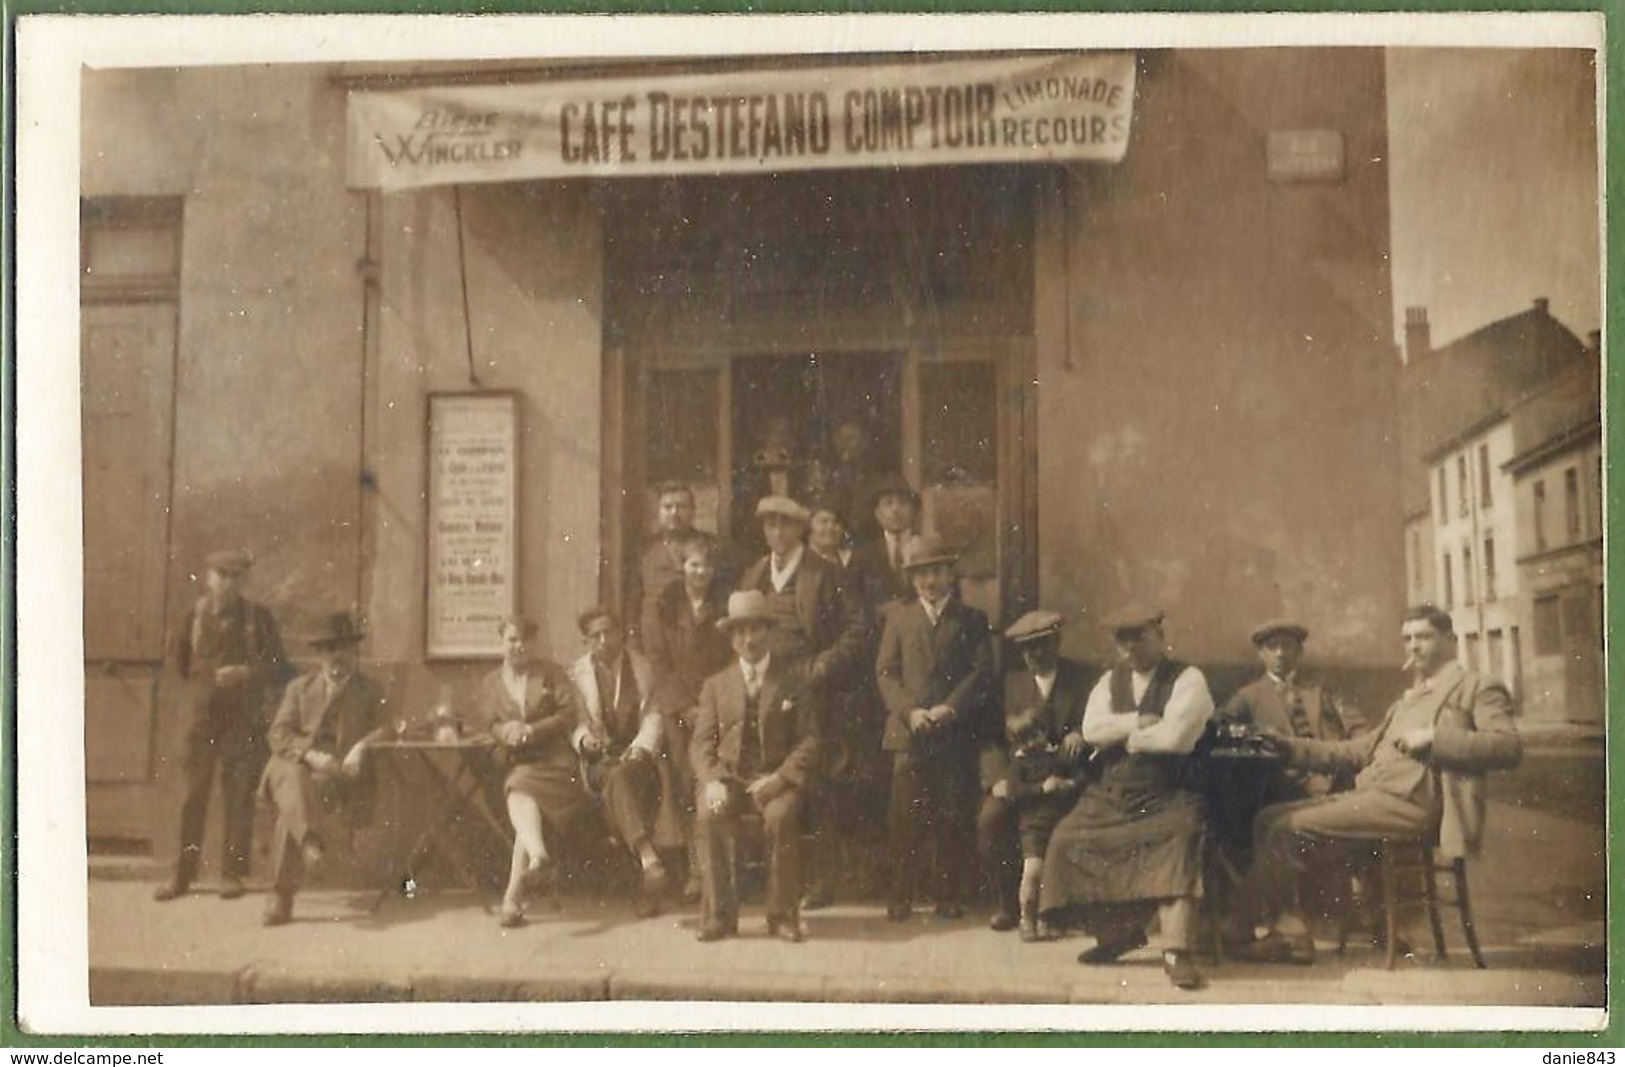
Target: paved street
column 1538, row 897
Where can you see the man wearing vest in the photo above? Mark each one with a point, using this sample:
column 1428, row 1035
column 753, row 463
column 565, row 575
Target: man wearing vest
column 228, row 655
column 755, row 746
column 935, row 671
column 1132, row 846
column 1057, row 688
column 621, row 741
column 1426, row 760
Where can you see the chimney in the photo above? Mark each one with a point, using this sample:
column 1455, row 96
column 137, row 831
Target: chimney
column 1418, row 338
column 1542, row 304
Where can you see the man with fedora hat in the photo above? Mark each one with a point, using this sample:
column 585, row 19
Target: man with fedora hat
column 896, row 510
column 935, row 670
column 228, row 655
column 318, row 741
column 1055, row 689
column 755, row 746
column 1131, row 848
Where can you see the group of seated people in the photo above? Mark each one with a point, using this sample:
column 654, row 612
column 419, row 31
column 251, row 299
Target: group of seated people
column 833, row 687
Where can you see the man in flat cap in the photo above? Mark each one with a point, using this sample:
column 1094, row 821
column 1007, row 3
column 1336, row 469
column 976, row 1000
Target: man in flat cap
column 317, row 774
column 1055, row 689
column 935, row 671
column 818, row 623
column 1426, row 760
column 1131, row 848
column 229, row 657
column 1287, row 700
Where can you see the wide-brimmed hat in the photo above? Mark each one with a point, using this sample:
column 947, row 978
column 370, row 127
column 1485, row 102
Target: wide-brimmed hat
column 781, row 505
column 1285, row 627
column 1034, row 626
column 747, row 605
column 926, row 549
column 893, row 484
column 339, row 628
column 230, row 560
column 1132, row 617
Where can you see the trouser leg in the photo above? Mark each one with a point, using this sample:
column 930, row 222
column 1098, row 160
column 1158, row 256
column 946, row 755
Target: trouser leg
column 781, row 828
column 951, row 796
column 902, row 816
column 1177, row 918
column 631, row 792
column 238, row 777
column 714, row 851
column 199, row 761
column 997, row 848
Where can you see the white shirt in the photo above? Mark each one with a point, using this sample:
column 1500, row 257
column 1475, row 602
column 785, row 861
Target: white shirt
column 754, row 673
column 1189, row 708
column 894, row 550
column 934, row 611
column 781, row 576
column 1046, row 684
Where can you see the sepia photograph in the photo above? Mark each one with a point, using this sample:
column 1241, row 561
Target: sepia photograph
column 811, row 522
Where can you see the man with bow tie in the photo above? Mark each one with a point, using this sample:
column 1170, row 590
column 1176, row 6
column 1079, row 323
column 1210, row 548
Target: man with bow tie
column 756, row 743
column 318, row 741
column 1427, row 759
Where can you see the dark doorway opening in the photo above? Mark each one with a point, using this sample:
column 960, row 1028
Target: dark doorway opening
column 788, row 419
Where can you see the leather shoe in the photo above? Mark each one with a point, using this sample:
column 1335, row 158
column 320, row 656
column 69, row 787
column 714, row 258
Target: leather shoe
column 170, row 890
column 511, row 918
column 1002, row 921
column 1276, row 948
column 654, row 880
column 948, row 911
column 714, row 933
column 785, row 930
column 1106, row 952
column 1181, row 971
column 899, row 913
column 232, row 889
column 279, row 912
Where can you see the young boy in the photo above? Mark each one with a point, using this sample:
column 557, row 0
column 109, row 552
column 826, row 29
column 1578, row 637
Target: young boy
column 1042, row 782
column 934, row 670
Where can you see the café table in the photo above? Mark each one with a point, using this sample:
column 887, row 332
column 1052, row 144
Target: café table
column 448, row 799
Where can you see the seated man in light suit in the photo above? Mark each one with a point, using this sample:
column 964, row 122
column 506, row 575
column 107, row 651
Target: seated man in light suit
column 621, row 741
column 755, row 745
column 316, row 773
column 1428, row 757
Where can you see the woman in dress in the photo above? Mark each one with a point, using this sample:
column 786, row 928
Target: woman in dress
column 529, row 707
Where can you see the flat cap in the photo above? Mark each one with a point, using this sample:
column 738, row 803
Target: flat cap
column 781, row 505
column 1280, row 626
column 1034, row 625
column 893, row 484
column 1133, row 617
column 230, row 560
column 925, row 550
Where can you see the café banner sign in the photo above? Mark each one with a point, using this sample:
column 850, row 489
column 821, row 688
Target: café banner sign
column 1028, row 109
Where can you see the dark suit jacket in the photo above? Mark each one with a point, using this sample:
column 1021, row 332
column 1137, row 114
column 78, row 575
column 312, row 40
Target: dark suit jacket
column 1259, row 702
column 551, row 710
column 1062, row 712
column 921, row 666
column 356, row 713
column 786, row 715
column 267, row 663
column 885, row 586
column 835, row 624
column 684, row 648
column 655, row 571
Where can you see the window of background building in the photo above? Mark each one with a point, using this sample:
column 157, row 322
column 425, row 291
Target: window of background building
column 1489, row 568
column 1485, row 498
column 1548, row 626
column 1494, row 663
column 1467, row 576
column 1444, row 501
column 1540, row 516
column 1449, row 583
column 1571, row 502
column 1416, row 560
column 1462, row 485
column 1472, row 653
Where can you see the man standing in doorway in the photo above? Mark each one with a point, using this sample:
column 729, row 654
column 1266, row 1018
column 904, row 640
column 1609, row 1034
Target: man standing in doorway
column 662, row 561
column 229, row 658
column 897, row 514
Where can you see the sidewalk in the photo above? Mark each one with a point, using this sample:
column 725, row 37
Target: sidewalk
column 1539, row 898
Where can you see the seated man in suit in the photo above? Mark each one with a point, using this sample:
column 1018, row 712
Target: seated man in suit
column 755, row 745
column 935, row 670
column 1427, row 758
column 1056, row 688
column 1132, row 846
column 621, row 741
column 316, row 772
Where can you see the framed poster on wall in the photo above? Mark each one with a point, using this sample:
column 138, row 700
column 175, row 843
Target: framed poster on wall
column 473, row 522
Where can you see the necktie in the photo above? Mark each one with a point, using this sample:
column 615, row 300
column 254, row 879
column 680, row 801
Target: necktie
column 896, row 544
column 753, row 684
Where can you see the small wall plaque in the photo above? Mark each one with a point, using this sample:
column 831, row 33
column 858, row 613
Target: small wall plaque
column 1306, row 156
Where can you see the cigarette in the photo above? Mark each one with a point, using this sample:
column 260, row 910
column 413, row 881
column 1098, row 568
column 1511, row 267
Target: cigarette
column 1410, row 663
